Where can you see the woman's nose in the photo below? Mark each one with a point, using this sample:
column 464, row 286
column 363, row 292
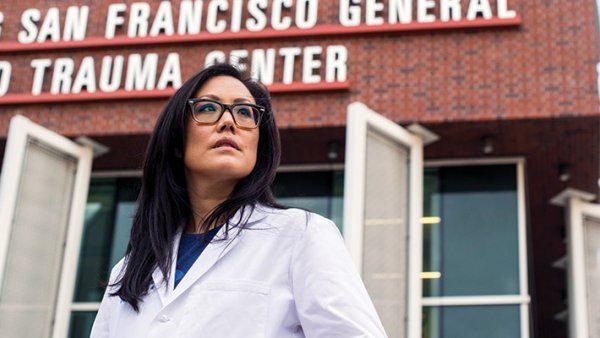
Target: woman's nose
column 226, row 120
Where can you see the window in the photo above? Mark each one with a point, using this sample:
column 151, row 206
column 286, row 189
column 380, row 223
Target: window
column 108, row 219
column 473, row 252
column 474, row 266
column 320, row 191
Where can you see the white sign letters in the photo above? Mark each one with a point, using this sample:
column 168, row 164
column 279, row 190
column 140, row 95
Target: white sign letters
column 145, row 20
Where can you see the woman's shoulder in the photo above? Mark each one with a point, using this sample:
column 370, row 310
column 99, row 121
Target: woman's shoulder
column 115, row 274
column 291, row 219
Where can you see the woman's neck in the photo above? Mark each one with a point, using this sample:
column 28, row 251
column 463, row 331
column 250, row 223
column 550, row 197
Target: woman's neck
column 205, row 195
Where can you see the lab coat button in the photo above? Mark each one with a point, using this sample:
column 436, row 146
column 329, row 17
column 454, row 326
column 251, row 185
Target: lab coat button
column 164, row 318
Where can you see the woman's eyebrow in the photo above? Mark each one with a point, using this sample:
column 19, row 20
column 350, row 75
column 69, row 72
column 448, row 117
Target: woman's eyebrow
column 210, row 96
column 243, row 99
column 215, row 97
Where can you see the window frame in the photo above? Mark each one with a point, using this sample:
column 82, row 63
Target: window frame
column 523, row 299
column 95, row 306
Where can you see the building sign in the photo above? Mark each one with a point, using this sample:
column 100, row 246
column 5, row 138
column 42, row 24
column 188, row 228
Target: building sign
column 137, row 24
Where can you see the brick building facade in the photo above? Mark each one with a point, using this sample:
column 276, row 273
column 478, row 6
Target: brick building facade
column 528, row 84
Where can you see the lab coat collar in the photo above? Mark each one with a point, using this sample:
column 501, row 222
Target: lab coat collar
column 214, row 251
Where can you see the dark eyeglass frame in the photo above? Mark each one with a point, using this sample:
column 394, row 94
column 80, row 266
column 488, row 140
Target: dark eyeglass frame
column 261, row 111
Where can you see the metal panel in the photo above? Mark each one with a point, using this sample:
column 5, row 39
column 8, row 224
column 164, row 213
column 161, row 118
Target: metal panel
column 385, row 251
column 43, row 190
column 383, row 184
column 36, row 246
column 591, row 239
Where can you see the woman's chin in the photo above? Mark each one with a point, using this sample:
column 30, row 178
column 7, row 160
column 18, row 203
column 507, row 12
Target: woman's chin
column 225, row 170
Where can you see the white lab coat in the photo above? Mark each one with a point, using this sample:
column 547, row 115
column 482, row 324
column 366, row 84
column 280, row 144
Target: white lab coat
column 284, row 278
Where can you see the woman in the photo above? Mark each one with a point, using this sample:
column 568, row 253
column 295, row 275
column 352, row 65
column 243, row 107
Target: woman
column 211, row 253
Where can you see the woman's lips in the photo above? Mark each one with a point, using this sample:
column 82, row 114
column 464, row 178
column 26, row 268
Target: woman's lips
column 226, row 142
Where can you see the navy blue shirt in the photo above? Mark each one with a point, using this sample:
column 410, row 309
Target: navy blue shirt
column 190, row 248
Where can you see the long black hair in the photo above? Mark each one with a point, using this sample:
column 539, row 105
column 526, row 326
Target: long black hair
column 163, row 203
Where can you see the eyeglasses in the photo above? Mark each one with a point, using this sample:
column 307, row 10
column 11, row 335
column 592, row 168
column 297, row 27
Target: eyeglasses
column 207, row 112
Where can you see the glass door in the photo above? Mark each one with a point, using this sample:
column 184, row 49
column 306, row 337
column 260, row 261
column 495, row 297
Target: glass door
column 43, row 190
column 382, row 210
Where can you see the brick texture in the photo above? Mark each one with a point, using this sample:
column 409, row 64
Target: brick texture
column 546, row 67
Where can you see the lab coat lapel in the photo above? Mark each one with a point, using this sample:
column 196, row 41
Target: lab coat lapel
column 214, row 251
column 164, row 291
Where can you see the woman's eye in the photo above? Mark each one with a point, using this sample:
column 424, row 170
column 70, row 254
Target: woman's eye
column 207, row 108
column 245, row 111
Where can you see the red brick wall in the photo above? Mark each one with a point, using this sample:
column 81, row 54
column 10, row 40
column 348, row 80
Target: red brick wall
column 546, row 67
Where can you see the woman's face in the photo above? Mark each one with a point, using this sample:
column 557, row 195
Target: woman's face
column 201, row 157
